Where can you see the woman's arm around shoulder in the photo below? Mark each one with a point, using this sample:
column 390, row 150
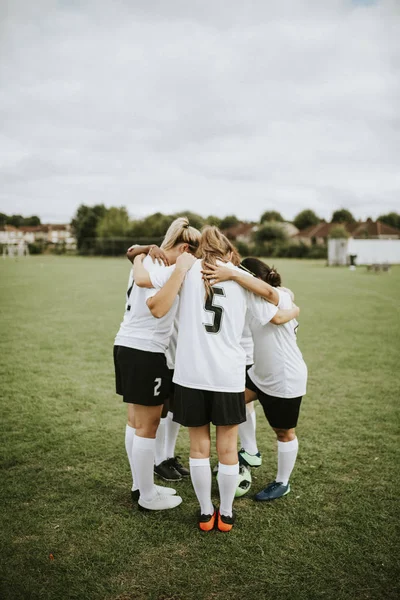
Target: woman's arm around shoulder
column 140, row 275
column 162, row 301
column 152, row 250
column 284, row 315
column 217, row 273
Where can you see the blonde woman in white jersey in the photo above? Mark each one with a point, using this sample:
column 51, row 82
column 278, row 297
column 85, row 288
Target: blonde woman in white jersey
column 141, row 371
column 167, row 464
column 279, row 375
column 210, row 370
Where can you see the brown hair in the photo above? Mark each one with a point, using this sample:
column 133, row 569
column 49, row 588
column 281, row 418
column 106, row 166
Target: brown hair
column 180, row 232
column 258, row 268
column 215, row 246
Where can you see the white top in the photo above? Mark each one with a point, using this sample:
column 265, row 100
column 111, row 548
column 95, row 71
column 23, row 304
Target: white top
column 171, row 350
column 208, row 354
column 139, row 329
column 279, row 369
column 247, row 343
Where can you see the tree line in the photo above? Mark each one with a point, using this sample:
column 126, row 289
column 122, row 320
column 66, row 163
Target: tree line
column 98, row 228
column 101, row 230
column 19, row 220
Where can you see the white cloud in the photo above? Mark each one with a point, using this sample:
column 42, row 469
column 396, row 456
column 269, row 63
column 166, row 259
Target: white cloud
column 172, row 106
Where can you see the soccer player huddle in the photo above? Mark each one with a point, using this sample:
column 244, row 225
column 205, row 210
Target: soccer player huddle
column 203, row 336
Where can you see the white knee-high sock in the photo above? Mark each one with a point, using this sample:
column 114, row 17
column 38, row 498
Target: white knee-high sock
column 200, row 474
column 247, row 432
column 287, row 454
column 227, row 483
column 253, row 418
column 129, row 435
column 171, row 435
column 160, row 454
column 143, row 462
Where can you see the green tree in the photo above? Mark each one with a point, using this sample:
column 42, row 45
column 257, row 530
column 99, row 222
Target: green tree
column 157, row 224
column 270, row 232
column 19, row 220
column 32, row 221
column 338, row 232
column 137, row 230
column 213, row 220
column 392, row 219
column 229, row 221
column 85, row 222
column 195, row 220
column 306, row 218
column 115, row 223
column 271, row 215
column 15, row 220
column 342, row 216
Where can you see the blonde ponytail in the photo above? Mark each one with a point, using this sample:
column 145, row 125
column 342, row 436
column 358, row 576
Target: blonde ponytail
column 215, row 246
column 180, row 232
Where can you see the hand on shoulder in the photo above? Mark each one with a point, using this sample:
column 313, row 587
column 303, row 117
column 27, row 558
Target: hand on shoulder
column 185, row 261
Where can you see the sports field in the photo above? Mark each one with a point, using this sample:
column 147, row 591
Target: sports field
column 68, row 529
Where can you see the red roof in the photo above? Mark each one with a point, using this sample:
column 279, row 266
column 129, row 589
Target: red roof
column 8, row 228
column 240, row 229
column 30, row 228
column 374, row 229
column 369, row 229
column 43, row 228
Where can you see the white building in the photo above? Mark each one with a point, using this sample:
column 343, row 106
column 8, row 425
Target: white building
column 47, row 234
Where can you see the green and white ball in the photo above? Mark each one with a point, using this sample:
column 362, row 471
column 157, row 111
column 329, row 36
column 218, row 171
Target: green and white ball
column 244, row 481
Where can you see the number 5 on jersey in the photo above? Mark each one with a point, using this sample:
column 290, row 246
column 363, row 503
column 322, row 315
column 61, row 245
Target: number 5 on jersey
column 218, row 311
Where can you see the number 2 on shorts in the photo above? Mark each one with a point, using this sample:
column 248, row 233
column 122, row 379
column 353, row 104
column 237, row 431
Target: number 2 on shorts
column 157, row 385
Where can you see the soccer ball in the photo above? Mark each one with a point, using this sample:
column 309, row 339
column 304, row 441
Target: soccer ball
column 244, row 481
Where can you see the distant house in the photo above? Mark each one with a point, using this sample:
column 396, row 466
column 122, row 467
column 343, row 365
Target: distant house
column 290, row 229
column 47, row 234
column 32, row 234
column 316, row 235
column 10, row 235
column 243, row 232
column 367, row 243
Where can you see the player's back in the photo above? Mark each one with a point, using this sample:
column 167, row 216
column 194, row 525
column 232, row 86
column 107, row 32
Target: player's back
column 279, row 369
column 209, row 355
column 139, row 329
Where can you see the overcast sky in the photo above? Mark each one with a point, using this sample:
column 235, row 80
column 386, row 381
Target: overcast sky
column 214, row 106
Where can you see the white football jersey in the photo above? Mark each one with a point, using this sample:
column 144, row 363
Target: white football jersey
column 171, row 350
column 139, row 329
column 208, row 354
column 279, row 369
column 247, row 343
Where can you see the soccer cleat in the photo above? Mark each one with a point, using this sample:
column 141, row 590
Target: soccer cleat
column 249, row 460
column 273, row 491
column 225, row 523
column 178, row 466
column 135, row 494
column 160, row 502
column 167, row 471
column 207, row 522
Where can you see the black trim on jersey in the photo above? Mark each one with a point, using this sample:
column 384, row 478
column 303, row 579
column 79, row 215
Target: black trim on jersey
column 128, row 295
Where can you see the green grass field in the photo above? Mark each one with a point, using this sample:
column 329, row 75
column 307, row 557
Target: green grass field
column 68, row 529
